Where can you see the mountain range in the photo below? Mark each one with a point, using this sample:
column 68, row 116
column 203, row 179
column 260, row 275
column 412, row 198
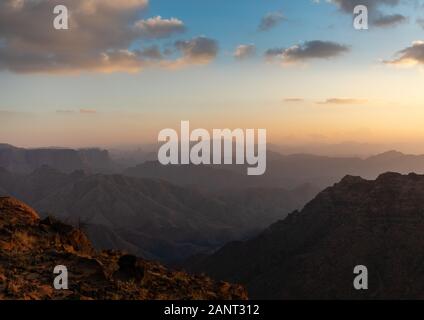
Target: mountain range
column 283, row 171
column 151, row 217
column 312, row 253
column 21, row 160
column 256, row 231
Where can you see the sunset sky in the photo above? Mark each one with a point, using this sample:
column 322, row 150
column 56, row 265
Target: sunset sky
column 299, row 69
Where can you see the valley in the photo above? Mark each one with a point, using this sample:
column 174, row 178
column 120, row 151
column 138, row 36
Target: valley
column 280, row 243
column 151, row 217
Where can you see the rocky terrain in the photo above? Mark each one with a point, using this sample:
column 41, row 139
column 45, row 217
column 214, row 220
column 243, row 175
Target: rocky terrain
column 312, row 253
column 30, row 248
column 21, row 160
column 150, row 217
column 283, row 171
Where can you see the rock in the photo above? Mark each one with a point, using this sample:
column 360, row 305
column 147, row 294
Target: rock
column 312, row 254
column 30, row 249
column 129, row 268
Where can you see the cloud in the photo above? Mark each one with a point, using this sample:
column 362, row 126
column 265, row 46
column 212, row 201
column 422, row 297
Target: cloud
column 244, row 51
column 390, row 20
column 199, row 50
column 88, row 111
column 152, row 52
column 342, row 101
column 157, row 27
column 294, row 100
column 377, row 17
column 270, row 21
column 412, row 55
column 72, row 112
column 103, row 37
column 420, row 22
column 308, row 50
column 10, row 113
column 95, row 6
column 347, row 6
column 65, row 112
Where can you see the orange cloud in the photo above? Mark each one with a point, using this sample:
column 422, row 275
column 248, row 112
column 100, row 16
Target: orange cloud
column 100, row 38
column 409, row 56
column 88, row 111
column 342, row 101
column 294, row 100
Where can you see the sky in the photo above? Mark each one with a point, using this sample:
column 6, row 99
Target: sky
column 122, row 72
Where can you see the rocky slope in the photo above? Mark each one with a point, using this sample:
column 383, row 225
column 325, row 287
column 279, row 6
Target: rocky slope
column 30, row 248
column 322, row 171
column 312, row 254
column 22, row 160
column 147, row 217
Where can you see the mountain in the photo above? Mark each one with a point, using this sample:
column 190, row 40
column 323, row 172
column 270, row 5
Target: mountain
column 342, row 149
column 153, row 218
column 283, row 171
column 288, row 171
column 312, row 253
column 30, row 249
column 22, row 160
column 207, row 178
column 132, row 156
column 266, row 205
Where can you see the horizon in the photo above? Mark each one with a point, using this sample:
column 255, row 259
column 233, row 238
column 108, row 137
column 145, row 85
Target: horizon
column 311, row 150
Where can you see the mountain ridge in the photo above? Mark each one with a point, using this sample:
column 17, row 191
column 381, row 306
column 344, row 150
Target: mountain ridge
column 22, row 160
column 312, row 253
column 283, row 171
column 30, row 248
column 155, row 218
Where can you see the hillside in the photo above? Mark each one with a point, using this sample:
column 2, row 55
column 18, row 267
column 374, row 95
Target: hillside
column 153, row 218
column 21, row 160
column 312, row 253
column 283, row 171
column 30, row 248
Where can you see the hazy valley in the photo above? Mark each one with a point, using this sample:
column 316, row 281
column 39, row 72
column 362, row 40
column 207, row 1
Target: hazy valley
column 249, row 230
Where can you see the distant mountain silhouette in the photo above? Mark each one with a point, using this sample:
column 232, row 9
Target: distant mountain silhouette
column 322, row 171
column 133, row 157
column 312, row 253
column 204, row 177
column 22, row 160
column 153, row 218
column 342, row 149
column 283, row 171
column 30, row 249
